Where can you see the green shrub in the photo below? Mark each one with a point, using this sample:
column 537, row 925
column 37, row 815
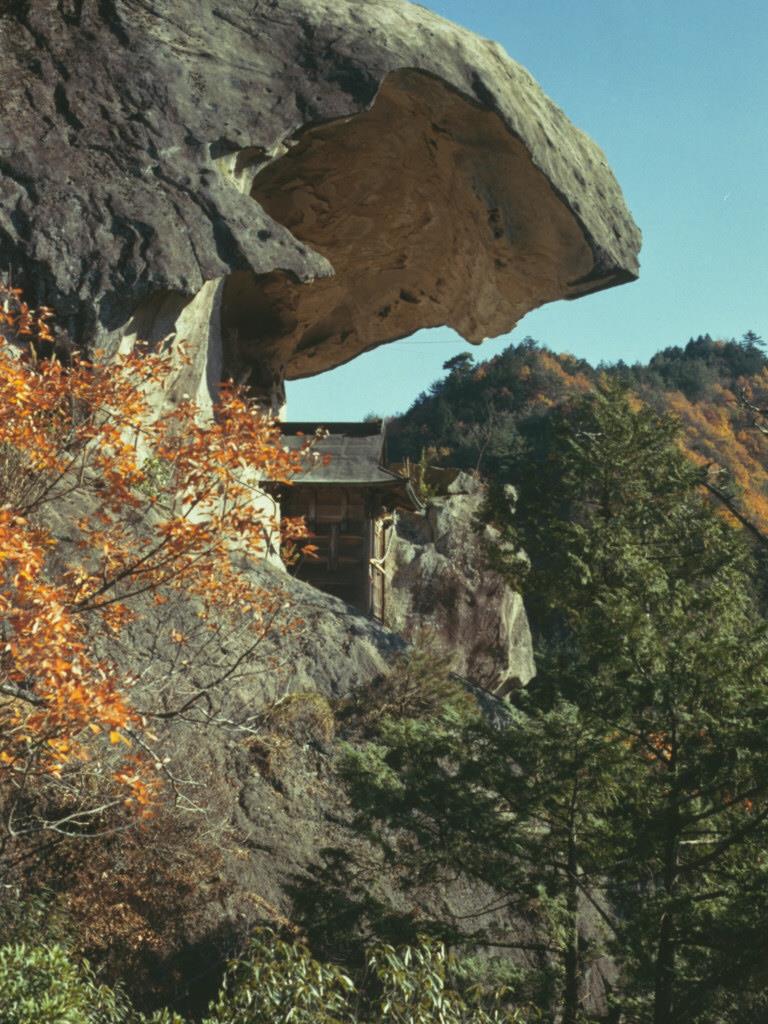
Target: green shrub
column 419, row 685
column 416, row 988
column 280, row 983
column 275, row 982
column 45, row 985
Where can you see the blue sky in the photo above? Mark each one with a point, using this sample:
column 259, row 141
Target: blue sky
column 676, row 94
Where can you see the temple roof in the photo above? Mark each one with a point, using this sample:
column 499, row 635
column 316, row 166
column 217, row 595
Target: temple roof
column 350, row 454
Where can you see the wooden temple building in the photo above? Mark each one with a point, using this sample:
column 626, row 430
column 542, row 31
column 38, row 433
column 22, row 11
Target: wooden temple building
column 348, row 497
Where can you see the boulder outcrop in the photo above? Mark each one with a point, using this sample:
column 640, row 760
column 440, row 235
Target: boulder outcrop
column 286, row 184
column 344, row 173
column 441, row 591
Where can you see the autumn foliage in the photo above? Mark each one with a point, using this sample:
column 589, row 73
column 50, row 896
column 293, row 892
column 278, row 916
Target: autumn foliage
column 165, row 502
column 480, row 416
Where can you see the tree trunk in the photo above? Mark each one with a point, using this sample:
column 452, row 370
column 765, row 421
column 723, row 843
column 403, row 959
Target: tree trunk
column 664, row 971
column 571, row 957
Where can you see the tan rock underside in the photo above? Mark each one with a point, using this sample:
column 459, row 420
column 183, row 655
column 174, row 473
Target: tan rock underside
column 430, row 211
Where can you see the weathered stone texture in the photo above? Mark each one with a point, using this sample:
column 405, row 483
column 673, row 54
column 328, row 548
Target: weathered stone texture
column 442, row 592
column 353, row 171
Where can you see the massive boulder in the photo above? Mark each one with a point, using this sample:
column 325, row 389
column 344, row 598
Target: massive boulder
column 442, row 591
column 286, row 184
column 319, row 176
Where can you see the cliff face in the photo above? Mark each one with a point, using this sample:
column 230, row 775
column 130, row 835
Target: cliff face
column 442, row 591
column 254, row 826
column 285, row 184
column 318, row 177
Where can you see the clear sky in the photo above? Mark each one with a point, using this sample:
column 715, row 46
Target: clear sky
column 676, row 94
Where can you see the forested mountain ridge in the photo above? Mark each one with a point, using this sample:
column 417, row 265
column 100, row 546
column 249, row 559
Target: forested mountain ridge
column 481, row 416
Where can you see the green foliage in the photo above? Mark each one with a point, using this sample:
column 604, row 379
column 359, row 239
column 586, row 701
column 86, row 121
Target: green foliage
column 279, row 982
column 634, row 774
column 661, row 638
column 274, row 982
column 44, row 985
column 479, row 415
column 696, row 369
column 462, row 363
column 415, row 988
column 35, row 920
column 602, row 482
column 500, row 534
column 522, row 806
column 418, row 473
column 494, row 417
column 419, row 684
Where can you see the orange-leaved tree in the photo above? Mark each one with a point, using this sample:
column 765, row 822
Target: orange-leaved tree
column 110, row 511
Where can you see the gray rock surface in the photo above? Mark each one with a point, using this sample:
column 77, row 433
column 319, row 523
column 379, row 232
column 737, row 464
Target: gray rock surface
column 441, row 591
column 350, row 171
column 259, row 812
column 288, row 183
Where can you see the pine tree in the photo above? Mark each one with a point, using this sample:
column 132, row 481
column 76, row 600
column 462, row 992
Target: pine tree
column 522, row 805
column 637, row 771
column 662, row 639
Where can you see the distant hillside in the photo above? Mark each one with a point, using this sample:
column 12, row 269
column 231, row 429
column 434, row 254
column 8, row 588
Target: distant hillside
column 484, row 415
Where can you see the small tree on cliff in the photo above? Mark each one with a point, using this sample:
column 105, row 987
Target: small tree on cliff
column 161, row 505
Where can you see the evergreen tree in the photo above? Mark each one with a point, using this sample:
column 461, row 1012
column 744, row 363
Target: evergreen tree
column 661, row 638
column 640, row 768
column 522, row 806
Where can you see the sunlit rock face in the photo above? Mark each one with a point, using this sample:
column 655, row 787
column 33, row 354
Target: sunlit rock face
column 345, row 173
column 442, row 593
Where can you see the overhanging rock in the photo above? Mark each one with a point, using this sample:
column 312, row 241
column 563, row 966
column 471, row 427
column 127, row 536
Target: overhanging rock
column 349, row 171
